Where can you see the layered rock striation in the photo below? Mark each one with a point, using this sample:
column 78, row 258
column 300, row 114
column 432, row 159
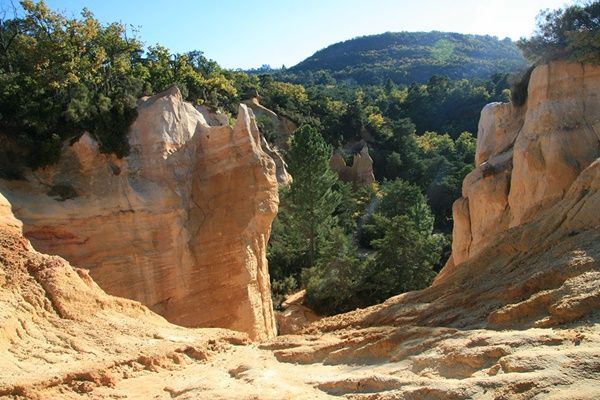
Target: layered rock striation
column 181, row 224
column 61, row 336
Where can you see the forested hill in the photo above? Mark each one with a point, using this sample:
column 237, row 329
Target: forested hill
column 408, row 57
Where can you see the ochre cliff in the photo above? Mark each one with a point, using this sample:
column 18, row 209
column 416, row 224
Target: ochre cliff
column 528, row 157
column 61, row 336
column 181, row 224
column 219, row 119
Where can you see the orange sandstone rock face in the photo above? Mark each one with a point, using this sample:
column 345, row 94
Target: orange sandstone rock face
column 7, row 219
column 294, row 316
column 181, row 224
column 61, row 336
column 528, row 157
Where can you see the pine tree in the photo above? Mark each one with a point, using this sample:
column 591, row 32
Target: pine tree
column 312, row 200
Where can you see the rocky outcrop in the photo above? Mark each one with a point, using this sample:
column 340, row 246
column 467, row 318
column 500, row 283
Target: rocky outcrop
column 181, row 224
column 528, row 157
column 7, row 219
column 360, row 173
column 61, row 336
column 213, row 117
column 283, row 177
column 217, row 118
column 294, row 316
column 281, row 128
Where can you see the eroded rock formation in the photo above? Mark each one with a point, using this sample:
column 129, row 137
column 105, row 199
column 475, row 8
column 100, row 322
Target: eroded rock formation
column 281, row 127
column 61, row 336
column 181, row 224
column 294, row 315
column 528, row 157
column 360, row 173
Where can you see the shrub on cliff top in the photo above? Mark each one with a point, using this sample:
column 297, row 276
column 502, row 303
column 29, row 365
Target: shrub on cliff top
column 571, row 33
column 60, row 77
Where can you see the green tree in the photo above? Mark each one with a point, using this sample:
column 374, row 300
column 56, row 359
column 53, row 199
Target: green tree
column 306, row 228
column 406, row 255
column 571, row 33
column 312, row 199
column 332, row 285
column 407, row 249
column 60, row 77
column 445, row 163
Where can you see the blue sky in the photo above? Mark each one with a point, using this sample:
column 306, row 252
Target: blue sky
column 245, row 34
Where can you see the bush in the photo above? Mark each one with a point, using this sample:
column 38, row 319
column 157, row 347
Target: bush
column 280, row 289
column 62, row 76
column 406, row 256
column 407, row 249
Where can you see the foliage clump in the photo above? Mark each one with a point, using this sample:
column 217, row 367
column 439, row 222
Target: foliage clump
column 314, row 242
column 571, row 33
column 403, row 253
column 62, row 76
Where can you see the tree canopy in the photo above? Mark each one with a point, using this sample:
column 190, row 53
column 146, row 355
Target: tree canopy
column 62, row 76
column 570, row 33
column 407, row 57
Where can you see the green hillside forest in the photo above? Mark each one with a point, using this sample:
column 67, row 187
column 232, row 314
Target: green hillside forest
column 407, row 57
